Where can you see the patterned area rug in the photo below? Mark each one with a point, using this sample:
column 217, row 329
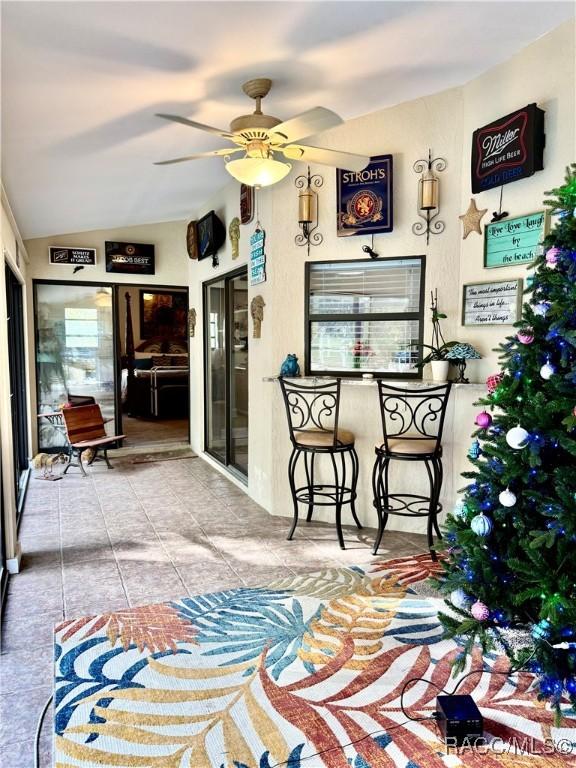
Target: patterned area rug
column 287, row 674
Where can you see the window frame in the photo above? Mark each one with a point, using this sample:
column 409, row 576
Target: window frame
column 347, row 317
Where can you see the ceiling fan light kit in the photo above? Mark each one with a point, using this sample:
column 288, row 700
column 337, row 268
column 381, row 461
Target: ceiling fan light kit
column 258, row 171
column 261, row 136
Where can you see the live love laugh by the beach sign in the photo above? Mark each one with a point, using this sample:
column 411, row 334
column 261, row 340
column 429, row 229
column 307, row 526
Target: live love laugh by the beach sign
column 514, row 241
column 508, row 149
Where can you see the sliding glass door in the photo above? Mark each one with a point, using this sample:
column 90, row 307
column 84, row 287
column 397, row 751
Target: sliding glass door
column 215, row 369
column 226, row 370
column 17, row 366
column 74, row 353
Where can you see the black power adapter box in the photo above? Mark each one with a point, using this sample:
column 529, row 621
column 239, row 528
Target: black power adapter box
column 459, row 720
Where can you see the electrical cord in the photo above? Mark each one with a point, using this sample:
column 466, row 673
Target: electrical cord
column 433, row 716
column 38, row 731
column 357, row 741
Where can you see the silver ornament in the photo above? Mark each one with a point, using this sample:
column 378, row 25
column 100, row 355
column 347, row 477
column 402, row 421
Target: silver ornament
column 507, row 498
column 517, row 437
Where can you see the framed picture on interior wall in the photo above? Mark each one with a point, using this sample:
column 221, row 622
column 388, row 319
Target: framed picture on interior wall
column 510, row 242
column 364, row 198
column 492, row 303
column 163, row 314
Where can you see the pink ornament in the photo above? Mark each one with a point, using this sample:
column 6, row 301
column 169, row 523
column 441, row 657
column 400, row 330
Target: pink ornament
column 492, row 382
column 480, row 611
column 483, row 420
column 574, row 411
column 552, row 256
column 525, row 336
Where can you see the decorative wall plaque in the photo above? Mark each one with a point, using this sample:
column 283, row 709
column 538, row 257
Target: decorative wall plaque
column 514, row 241
column 364, row 198
column 508, row 149
column 257, row 257
column 192, row 240
column 234, row 235
column 257, row 312
column 63, row 255
column 246, row 203
column 496, row 303
column 130, row 258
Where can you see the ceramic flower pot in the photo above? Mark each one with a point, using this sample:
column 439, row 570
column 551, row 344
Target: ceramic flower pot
column 440, row 370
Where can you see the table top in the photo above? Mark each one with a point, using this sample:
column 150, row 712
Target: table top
column 361, row 382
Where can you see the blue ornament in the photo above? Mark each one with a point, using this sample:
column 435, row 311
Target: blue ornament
column 460, row 510
column 290, row 366
column 474, row 451
column 541, row 631
column 481, row 525
column 571, row 685
column 460, row 599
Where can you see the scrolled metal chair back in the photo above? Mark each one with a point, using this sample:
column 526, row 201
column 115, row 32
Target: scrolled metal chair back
column 311, row 406
column 413, row 414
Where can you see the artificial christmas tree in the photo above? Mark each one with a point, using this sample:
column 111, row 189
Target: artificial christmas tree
column 511, row 541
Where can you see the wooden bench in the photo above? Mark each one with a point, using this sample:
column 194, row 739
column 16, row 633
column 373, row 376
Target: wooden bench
column 85, row 429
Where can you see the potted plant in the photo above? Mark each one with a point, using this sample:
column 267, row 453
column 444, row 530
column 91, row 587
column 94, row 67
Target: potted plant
column 438, row 347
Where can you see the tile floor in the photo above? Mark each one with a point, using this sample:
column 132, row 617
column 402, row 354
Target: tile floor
column 142, row 533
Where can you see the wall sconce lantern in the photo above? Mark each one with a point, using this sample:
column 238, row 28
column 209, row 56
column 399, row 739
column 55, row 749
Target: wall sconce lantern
column 308, row 210
column 429, row 196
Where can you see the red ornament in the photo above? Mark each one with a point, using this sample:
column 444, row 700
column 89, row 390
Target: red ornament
column 492, row 382
column 525, row 336
column 483, row 420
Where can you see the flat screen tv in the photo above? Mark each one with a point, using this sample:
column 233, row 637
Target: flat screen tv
column 211, row 235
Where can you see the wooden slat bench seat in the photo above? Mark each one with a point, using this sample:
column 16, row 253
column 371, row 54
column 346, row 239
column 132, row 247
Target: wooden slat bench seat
column 85, row 429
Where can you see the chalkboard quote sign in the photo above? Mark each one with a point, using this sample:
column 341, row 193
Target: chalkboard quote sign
column 492, row 303
column 514, row 241
column 64, row 255
column 508, row 149
column 257, row 257
column 130, row 258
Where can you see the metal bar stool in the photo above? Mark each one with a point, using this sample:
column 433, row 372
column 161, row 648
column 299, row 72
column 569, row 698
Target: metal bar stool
column 312, row 411
column 412, row 424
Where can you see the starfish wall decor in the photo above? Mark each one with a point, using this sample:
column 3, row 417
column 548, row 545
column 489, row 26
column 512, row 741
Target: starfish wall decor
column 471, row 219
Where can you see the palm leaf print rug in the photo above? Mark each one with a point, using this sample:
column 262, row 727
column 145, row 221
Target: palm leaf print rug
column 305, row 672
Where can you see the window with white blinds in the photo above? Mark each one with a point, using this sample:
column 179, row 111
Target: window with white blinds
column 365, row 316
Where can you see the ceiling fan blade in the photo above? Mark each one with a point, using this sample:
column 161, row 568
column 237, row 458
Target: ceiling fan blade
column 308, row 123
column 194, row 124
column 345, row 160
column 212, row 153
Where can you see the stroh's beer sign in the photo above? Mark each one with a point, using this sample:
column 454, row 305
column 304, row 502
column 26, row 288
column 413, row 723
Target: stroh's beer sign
column 508, row 149
column 364, row 200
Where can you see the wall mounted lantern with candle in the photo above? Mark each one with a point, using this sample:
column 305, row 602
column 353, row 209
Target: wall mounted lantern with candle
column 308, row 210
column 429, row 196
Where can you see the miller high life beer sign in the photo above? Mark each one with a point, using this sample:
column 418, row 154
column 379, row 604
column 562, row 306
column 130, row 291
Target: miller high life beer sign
column 364, row 204
column 508, row 149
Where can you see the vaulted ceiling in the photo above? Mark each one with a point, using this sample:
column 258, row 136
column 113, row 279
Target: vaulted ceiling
column 81, row 82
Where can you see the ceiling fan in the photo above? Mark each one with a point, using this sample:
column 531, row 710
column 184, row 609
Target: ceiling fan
column 260, row 137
